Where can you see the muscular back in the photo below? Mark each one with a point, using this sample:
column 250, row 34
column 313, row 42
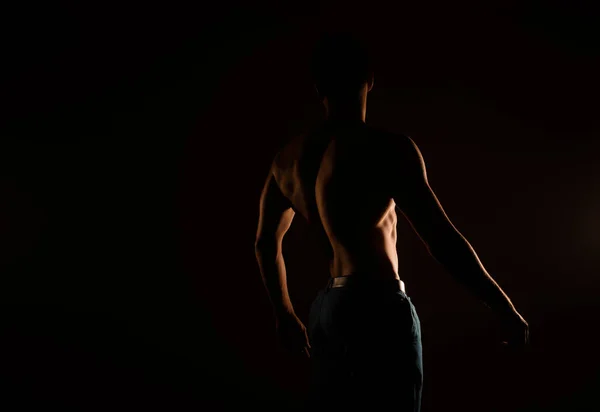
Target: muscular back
column 348, row 182
column 335, row 178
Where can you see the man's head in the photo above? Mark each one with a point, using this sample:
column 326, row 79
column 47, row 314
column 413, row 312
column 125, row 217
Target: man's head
column 340, row 66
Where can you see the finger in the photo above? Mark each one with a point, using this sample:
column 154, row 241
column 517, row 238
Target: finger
column 307, row 339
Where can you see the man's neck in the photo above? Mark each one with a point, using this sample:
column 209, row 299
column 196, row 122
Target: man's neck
column 345, row 118
column 346, row 111
column 343, row 123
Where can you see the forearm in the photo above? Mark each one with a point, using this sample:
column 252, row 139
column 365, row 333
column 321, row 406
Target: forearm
column 460, row 260
column 272, row 269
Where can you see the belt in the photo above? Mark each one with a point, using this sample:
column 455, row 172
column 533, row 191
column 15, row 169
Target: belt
column 342, row 281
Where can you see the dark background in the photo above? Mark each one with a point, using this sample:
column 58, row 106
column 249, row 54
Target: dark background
column 135, row 142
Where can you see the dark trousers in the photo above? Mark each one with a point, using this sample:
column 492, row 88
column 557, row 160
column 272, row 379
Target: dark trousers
column 366, row 348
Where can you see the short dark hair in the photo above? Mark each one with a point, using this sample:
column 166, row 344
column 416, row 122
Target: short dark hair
column 340, row 64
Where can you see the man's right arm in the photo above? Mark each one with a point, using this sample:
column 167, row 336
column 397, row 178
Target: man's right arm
column 417, row 201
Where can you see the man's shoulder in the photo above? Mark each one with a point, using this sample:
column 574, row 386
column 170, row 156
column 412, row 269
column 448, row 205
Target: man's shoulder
column 397, row 154
column 392, row 143
column 392, row 138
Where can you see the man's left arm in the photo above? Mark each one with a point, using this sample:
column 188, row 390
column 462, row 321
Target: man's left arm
column 275, row 217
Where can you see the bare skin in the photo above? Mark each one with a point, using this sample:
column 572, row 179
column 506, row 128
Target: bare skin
column 350, row 179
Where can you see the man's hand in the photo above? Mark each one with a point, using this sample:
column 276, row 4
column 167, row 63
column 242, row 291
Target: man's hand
column 291, row 334
column 515, row 330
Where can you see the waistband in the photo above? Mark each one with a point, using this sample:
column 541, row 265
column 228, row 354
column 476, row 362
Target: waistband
column 365, row 281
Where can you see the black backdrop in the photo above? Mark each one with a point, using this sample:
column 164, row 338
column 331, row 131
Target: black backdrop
column 135, row 141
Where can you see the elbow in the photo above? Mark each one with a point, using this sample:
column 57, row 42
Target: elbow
column 266, row 250
column 265, row 244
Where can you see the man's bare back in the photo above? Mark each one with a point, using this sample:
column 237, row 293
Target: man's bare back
column 334, row 178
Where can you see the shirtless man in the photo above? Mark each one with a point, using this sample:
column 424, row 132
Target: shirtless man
column 364, row 336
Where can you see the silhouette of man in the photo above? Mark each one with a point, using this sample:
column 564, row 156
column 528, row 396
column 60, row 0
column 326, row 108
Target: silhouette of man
column 364, row 335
